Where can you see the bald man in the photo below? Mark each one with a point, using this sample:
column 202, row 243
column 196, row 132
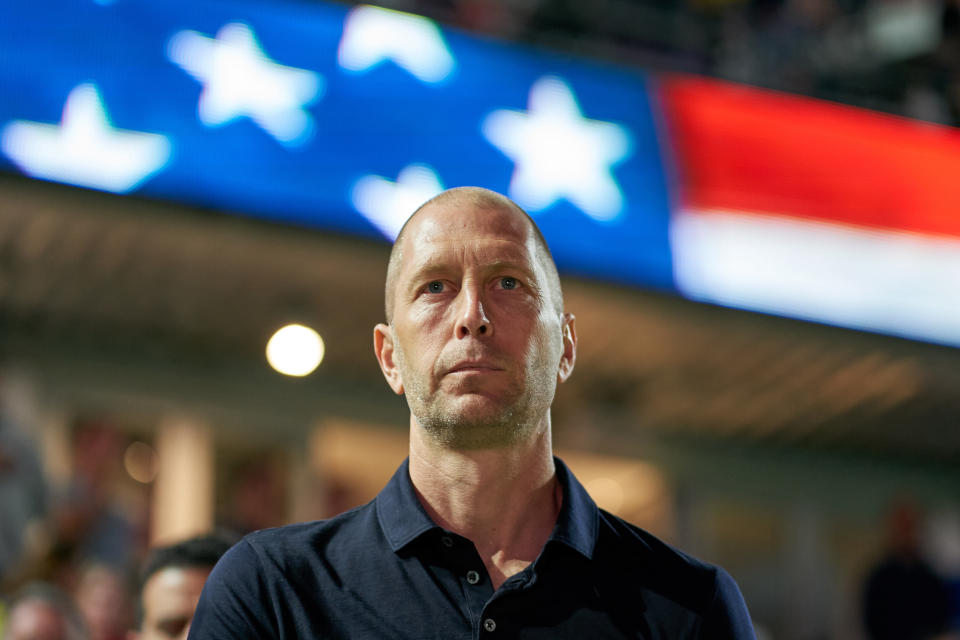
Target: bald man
column 482, row 532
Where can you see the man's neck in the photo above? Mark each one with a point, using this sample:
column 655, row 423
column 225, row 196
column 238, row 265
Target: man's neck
column 505, row 501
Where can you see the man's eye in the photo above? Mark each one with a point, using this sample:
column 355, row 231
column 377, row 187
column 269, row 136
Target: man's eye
column 509, row 283
column 435, row 287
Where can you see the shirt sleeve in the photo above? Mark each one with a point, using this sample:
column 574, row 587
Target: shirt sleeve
column 234, row 603
column 727, row 618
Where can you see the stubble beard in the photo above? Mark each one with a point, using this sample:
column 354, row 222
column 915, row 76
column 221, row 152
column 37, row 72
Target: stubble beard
column 455, row 427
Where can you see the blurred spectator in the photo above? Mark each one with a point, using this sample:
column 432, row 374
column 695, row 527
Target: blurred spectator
column 23, row 495
column 102, row 594
column 948, row 55
column 258, row 496
column 90, row 525
column 904, row 599
column 42, row 612
column 170, row 586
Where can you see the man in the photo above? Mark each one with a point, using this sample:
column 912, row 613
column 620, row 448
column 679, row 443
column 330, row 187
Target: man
column 481, row 532
column 102, row 593
column 904, row 598
column 172, row 579
column 41, row 611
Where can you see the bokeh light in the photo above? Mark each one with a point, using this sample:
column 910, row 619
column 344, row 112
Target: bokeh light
column 140, row 462
column 295, row 350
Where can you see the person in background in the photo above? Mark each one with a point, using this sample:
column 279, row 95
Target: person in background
column 170, row 586
column 40, row 611
column 23, row 495
column 482, row 532
column 89, row 524
column 257, row 496
column 102, row 593
column 903, row 598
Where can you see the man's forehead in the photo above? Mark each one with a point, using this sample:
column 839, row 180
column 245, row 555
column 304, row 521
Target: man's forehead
column 483, row 234
column 176, row 577
column 450, row 253
column 460, row 219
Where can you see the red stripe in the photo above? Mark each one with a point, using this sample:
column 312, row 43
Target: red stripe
column 746, row 149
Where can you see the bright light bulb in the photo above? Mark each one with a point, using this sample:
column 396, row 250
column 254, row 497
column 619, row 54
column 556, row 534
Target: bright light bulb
column 295, row 350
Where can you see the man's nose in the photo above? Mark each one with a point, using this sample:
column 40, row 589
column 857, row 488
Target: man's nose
column 472, row 318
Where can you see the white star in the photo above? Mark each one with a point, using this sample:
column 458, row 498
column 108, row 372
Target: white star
column 558, row 153
column 239, row 80
column 372, row 35
column 84, row 149
column 388, row 204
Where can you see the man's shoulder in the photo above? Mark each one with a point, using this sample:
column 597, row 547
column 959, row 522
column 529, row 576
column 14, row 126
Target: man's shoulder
column 302, row 542
column 643, row 546
column 641, row 557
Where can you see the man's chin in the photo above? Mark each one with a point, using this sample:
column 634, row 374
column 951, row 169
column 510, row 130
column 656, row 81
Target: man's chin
column 473, row 422
column 476, row 436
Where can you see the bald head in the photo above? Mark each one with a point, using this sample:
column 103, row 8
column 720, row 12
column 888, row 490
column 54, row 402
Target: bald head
column 448, row 203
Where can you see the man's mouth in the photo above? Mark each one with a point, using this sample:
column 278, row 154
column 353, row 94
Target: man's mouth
column 474, row 366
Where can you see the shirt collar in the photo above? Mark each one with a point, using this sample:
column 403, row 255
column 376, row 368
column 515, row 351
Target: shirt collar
column 579, row 517
column 403, row 519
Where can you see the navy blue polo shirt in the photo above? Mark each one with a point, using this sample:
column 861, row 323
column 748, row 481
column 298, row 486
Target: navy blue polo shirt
column 385, row 570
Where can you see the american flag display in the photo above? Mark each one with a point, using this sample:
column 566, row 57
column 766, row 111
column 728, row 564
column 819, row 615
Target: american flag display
column 348, row 118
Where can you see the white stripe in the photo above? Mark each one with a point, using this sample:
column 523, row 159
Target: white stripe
column 900, row 283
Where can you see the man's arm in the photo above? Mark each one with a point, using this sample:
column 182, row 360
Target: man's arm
column 234, row 604
column 728, row 618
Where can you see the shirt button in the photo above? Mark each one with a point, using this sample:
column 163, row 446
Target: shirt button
column 473, row 578
column 489, row 625
column 447, row 541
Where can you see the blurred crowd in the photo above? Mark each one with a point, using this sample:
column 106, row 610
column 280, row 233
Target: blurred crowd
column 896, row 56
column 76, row 560
column 158, row 606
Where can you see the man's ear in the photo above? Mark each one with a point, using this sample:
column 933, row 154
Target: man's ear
column 383, row 349
column 569, row 357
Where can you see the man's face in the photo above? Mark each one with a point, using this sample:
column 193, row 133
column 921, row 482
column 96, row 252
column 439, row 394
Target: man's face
column 35, row 620
column 476, row 342
column 169, row 599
